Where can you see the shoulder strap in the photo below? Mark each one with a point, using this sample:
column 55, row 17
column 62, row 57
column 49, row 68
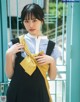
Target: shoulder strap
column 16, row 40
column 50, row 47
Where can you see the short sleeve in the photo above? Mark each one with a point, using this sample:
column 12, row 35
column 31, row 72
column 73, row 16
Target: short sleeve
column 56, row 52
column 10, row 44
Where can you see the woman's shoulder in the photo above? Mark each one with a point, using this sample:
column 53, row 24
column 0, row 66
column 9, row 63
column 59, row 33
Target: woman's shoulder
column 13, row 41
column 17, row 39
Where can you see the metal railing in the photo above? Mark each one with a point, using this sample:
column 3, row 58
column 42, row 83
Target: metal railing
column 57, row 90
column 57, row 87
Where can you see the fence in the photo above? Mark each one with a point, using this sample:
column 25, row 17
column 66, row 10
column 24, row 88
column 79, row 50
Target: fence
column 57, row 87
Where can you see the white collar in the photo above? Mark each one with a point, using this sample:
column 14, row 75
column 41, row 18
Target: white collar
column 35, row 37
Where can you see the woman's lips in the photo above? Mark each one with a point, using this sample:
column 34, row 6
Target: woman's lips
column 31, row 29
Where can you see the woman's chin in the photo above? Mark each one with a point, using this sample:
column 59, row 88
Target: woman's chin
column 33, row 32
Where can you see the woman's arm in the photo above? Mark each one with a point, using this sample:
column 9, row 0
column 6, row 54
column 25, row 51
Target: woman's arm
column 10, row 58
column 54, row 55
column 46, row 59
column 52, row 72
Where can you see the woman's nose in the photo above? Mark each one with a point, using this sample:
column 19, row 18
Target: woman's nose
column 31, row 24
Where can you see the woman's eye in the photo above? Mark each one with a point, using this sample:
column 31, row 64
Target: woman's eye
column 26, row 21
column 34, row 20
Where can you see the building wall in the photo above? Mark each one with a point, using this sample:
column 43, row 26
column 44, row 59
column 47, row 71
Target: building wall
column 14, row 6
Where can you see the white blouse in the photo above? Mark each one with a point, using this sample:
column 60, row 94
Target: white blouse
column 36, row 45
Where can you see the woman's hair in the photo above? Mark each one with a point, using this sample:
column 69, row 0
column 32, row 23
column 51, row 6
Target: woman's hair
column 32, row 10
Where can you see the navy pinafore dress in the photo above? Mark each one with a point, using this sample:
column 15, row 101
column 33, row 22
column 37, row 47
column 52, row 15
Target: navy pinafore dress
column 25, row 88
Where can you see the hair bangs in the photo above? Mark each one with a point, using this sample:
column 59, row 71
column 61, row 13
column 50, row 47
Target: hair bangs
column 31, row 11
column 28, row 16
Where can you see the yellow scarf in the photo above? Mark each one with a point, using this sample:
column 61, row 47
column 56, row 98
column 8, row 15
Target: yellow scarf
column 29, row 64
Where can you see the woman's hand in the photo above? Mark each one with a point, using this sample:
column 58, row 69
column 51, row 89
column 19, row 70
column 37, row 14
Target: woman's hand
column 10, row 58
column 44, row 59
column 15, row 48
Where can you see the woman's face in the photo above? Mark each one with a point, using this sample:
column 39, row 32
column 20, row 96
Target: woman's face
column 33, row 25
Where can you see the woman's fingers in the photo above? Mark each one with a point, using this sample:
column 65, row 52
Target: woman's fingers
column 20, row 47
column 41, row 60
column 44, row 59
column 17, row 48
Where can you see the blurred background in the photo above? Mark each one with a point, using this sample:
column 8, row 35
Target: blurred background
column 62, row 25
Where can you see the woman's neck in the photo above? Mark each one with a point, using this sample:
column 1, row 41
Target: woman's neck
column 36, row 35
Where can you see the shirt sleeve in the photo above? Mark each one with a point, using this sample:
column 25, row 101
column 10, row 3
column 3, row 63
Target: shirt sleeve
column 10, row 44
column 56, row 52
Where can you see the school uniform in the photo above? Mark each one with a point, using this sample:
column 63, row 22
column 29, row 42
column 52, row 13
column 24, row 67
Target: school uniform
column 30, row 88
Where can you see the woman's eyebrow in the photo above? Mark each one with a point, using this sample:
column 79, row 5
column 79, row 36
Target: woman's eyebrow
column 34, row 18
column 30, row 18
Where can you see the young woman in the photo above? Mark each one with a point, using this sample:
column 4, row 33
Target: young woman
column 29, row 58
